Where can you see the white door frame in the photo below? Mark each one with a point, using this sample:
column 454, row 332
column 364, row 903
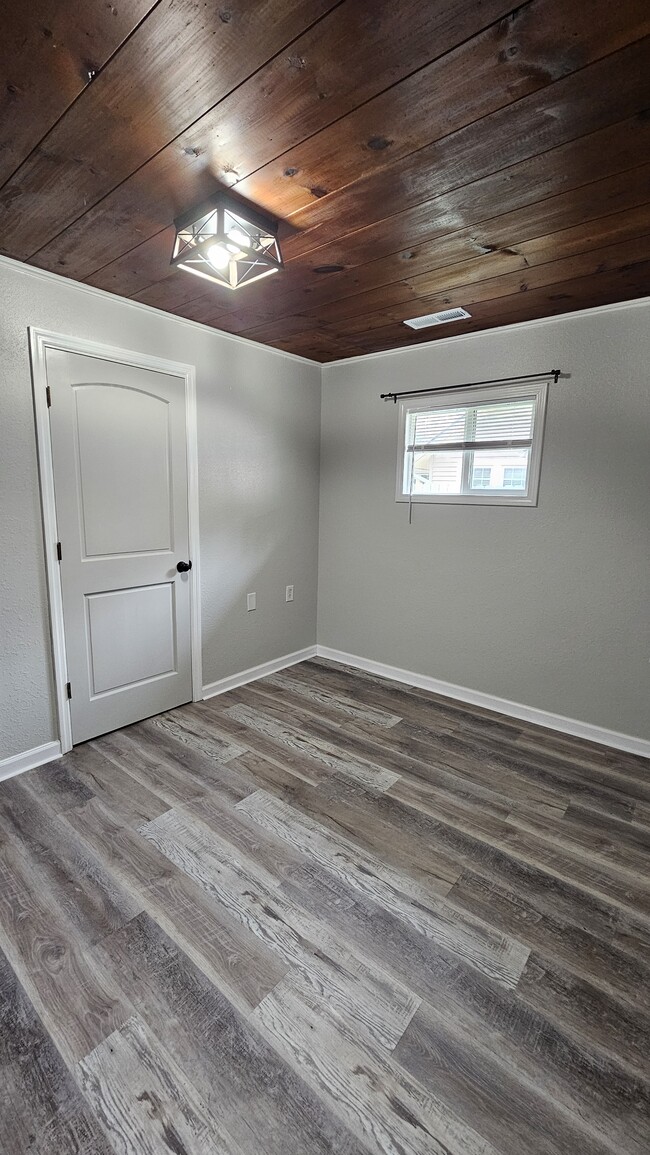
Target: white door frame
column 40, row 340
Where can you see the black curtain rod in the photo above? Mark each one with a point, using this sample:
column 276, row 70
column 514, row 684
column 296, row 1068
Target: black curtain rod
column 554, row 373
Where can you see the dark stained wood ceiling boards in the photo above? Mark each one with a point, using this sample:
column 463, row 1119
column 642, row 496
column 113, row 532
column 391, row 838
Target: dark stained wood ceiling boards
column 419, row 156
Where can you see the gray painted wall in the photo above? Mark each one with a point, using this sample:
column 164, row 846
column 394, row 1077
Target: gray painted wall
column 546, row 606
column 258, row 417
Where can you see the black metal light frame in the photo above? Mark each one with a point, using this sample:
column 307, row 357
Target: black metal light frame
column 243, row 238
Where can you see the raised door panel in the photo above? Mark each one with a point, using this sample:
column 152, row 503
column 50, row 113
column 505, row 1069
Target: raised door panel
column 131, row 636
column 124, row 470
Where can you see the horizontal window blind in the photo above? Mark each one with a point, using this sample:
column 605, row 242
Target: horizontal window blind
column 501, row 425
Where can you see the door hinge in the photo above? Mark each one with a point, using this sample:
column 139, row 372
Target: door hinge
column 48, row 396
column 68, row 689
column 59, row 555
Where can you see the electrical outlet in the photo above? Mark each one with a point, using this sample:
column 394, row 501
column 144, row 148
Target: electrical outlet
column 288, row 597
column 251, row 601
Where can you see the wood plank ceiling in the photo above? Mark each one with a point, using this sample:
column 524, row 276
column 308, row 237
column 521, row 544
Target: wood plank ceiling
column 419, row 154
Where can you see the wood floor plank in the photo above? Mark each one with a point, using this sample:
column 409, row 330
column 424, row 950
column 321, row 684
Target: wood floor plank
column 327, row 913
column 464, row 778
column 516, row 743
column 468, row 763
column 263, row 772
column 581, row 936
column 157, row 768
column 208, row 769
column 275, row 752
column 168, row 781
column 78, row 1004
column 360, row 741
column 579, row 818
column 42, row 1109
column 263, row 1104
column 320, row 958
column 341, row 806
column 331, row 705
column 499, row 956
column 538, row 908
column 126, row 798
column 507, row 1109
column 380, row 1104
column 446, row 834
column 371, row 775
column 143, row 1099
column 93, row 902
column 586, row 1085
column 187, row 729
column 237, row 962
column 603, row 851
column 57, row 786
column 606, row 1023
column 614, row 884
column 132, row 860
column 423, row 705
column 238, row 827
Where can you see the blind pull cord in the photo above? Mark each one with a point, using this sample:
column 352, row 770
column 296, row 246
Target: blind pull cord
column 411, row 486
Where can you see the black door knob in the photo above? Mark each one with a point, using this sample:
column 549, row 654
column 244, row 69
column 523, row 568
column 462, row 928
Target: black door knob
column 183, row 566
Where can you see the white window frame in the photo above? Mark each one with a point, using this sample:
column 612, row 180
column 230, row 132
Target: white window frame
column 473, row 396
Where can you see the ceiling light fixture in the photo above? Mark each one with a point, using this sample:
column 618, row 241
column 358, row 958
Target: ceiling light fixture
column 227, row 242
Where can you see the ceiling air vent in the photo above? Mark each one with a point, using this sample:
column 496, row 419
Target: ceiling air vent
column 437, row 318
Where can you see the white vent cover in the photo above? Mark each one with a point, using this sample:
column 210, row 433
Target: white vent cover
column 437, row 318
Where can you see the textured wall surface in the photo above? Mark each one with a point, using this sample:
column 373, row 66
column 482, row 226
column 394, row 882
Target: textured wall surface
column 546, row 606
column 258, row 418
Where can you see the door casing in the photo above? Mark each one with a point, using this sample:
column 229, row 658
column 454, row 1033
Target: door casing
column 40, row 340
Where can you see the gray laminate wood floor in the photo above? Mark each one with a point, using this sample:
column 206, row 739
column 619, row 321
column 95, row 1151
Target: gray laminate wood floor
column 326, row 914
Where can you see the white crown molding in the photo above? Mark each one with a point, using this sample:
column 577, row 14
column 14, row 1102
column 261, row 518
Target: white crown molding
column 616, row 306
column 255, row 672
column 46, row 275
column 29, row 759
column 591, row 733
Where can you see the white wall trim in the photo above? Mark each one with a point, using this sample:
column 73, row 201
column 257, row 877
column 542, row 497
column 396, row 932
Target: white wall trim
column 615, row 306
column 40, row 340
column 255, row 672
column 577, row 729
column 45, row 274
column 29, row 759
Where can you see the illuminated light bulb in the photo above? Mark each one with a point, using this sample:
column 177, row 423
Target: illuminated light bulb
column 218, row 256
column 239, row 237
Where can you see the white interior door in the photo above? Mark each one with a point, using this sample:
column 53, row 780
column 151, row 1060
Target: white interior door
column 120, row 479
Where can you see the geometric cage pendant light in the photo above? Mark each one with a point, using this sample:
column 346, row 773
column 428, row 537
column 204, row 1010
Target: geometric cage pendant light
column 227, row 242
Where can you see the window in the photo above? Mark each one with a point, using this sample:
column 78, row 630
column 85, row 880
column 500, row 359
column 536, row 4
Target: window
column 478, row 446
column 514, row 477
column 481, row 476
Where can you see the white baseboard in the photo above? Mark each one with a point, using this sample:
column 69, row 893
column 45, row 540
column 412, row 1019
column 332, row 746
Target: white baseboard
column 626, row 742
column 29, row 759
column 255, row 672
